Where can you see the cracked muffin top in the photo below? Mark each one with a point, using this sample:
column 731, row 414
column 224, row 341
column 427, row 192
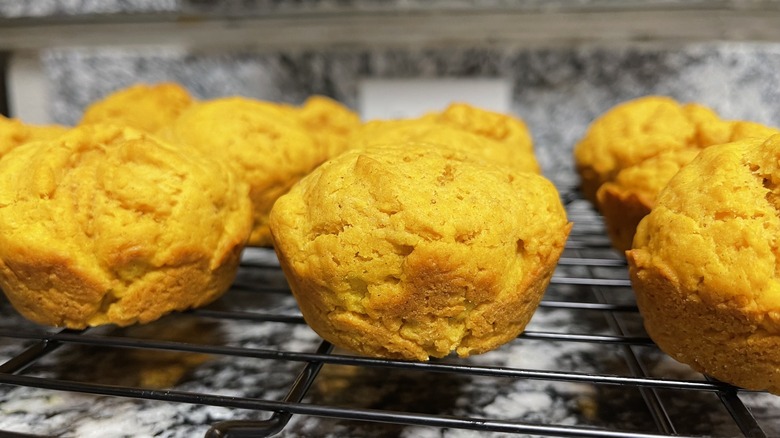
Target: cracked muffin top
column 491, row 137
column 412, row 251
column 265, row 144
column 14, row 132
column 647, row 178
column 705, row 264
column 634, row 131
column 715, row 225
column 108, row 224
column 631, row 195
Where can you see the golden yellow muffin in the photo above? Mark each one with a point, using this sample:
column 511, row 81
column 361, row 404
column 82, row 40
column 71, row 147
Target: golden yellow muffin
column 492, row 137
column 141, row 106
column 14, row 132
column 741, row 130
column 46, row 132
column 630, row 197
column 330, row 122
column 704, row 264
column 496, row 126
column 108, row 224
column 264, row 143
column 411, row 251
column 639, row 129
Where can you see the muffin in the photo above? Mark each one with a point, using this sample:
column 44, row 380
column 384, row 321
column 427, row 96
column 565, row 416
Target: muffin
column 639, row 129
column 496, row 126
column 630, row 152
column 109, row 225
column 141, row 106
column 629, row 197
column 330, row 122
column 14, row 132
column 487, row 136
column 704, row 264
column 264, row 143
column 410, row 251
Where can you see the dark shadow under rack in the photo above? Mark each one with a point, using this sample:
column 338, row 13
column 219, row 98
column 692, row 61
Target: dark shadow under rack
column 632, row 397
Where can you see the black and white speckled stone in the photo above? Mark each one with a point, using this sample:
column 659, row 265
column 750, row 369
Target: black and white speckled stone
column 60, row 8
column 558, row 92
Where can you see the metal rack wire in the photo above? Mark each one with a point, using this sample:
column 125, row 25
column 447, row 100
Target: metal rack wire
column 632, row 398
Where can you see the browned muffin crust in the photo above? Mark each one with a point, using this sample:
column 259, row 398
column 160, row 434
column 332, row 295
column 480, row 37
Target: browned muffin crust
column 704, row 264
column 108, row 224
column 416, row 251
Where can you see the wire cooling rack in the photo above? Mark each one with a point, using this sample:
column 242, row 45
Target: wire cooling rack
column 249, row 366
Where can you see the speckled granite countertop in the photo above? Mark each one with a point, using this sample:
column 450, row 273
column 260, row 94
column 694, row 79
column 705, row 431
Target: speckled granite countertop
column 557, row 90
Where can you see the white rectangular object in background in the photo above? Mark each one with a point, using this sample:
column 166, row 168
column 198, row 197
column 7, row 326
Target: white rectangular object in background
column 28, row 91
column 407, row 98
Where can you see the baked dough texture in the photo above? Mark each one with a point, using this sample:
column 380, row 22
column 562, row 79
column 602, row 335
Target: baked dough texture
column 500, row 127
column 629, row 198
column 630, row 153
column 141, row 106
column 264, row 143
column 631, row 195
column 705, row 264
column 108, row 224
column 14, row 132
column 410, row 251
column 634, row 131
column 330, row 122
column 488, row 136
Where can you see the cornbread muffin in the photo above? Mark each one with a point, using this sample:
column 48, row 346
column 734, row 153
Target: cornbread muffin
column 330, row 122
column 141, row 106
column 264, row 143
column 630, row 197
column 14, row 132
column 704, row 264
column 500, row 127
column 639, row 129
column 410, row 251
column 629, row 154
column 108, row 224
column 491, row 137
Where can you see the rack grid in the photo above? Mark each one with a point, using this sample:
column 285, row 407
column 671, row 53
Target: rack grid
column 584, row 367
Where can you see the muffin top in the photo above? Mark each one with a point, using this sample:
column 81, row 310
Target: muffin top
column 487, row 136
column 258, row 139
column 496, row 126
column 330, row 122
column 648, row 178
column 14, row 132
column 111, row 204
column 425, row 242
column 264, row 143
column 141, row 106
column 713, row 231
column 639, row 129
